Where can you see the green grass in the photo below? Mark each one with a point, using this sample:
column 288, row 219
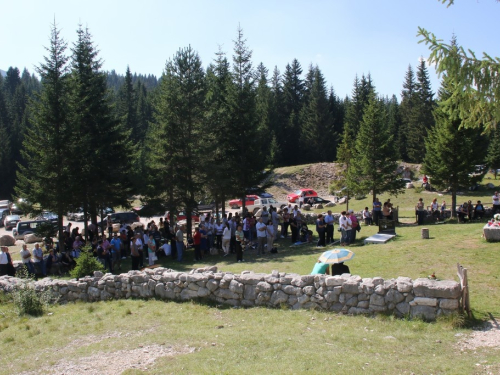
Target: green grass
column 278, row 341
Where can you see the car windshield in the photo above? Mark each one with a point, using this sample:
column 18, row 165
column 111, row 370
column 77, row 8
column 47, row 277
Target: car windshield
column 271, row 200
column 298, row 192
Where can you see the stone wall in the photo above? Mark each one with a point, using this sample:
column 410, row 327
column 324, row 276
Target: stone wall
column 344, row 294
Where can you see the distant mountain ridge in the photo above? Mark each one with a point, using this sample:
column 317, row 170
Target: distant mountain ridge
column 3, row 73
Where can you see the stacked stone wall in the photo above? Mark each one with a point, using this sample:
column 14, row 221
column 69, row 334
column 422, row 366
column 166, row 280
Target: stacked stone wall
column 347, row 293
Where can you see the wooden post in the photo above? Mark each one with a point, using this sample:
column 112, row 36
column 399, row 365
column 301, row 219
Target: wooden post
column 425, row 233
column 464, row 283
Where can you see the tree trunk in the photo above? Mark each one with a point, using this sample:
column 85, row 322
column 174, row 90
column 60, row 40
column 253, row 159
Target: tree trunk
column 454, row 202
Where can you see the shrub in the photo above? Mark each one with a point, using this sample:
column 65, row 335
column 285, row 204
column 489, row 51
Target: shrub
column 26, row 299
column 86, row 264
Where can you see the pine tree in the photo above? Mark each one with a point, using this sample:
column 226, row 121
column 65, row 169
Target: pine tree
column 493, row 156
column 45, row 178
column 451, row 151
column 421, row 118
column 6, row 167
column 408, row 99
column 293, row 92
column 178, row 131
column 218, row 141
column 102, row 145
column 277, row 118
column 318, row 137
column 262, row 108
column 374, row 164
column 245, row 151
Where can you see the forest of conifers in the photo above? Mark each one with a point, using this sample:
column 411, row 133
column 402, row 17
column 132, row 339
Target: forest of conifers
column 181, row 135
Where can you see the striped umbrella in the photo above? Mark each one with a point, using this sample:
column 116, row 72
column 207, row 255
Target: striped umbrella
column 336, row 256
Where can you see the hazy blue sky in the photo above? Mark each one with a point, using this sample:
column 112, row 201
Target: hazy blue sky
column 343, row 37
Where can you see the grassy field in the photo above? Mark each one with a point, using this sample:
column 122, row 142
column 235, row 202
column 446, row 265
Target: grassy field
column 206, row 339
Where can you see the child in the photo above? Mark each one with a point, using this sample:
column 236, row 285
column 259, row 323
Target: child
column 367, row 216
column 151, row 250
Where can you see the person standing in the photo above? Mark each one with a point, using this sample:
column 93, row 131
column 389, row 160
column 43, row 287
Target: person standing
column 179, row 243
column 240, row 237
column 261, row 236
column 232, row 226
column 38, row 259
column 321, row 229
column 270, row 236
column 204, row 249
column 219, row 230
column 116, row 246
column 136, row 249
column 286, row 223
column 6, row 266
column 329, row 220
column 151, row 249
column 354, row 226
column 420, row 211
column 275, row 220
column 26, row 258
column 264, row 215
column 226, row 239
column 377, row 210
column 345, row 227
column 197, row 244
column 294, row 228
column 496, row 203
column 367, row 216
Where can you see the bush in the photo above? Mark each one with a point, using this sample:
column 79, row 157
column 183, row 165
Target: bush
column 86, row 264
column 26, row 299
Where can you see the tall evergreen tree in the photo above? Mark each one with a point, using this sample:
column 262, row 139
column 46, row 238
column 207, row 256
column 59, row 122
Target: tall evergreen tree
column 421, row 118
column 408, row 103
column 245, row 152
column 493, row 155
column 45, row 178
column 318, row 137
column 451, row 150
column 277, row 119
column 219, row 139
column 262, row 108
column 6, row 167
column 374, row 165
column 103, row 146
column 293, row 92
column 178, row 130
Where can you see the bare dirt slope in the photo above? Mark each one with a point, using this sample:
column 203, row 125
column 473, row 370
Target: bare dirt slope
column 317, row 176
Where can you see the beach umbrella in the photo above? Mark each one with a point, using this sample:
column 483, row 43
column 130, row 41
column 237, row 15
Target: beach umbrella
column 336, row 256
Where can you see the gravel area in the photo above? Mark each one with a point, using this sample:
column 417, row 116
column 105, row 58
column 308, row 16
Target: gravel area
column 487, row 335
column 113, row 363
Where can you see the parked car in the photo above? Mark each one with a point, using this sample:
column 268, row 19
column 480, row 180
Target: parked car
column 27, row 227
column 76, row 215
column 206, row 205
column 316, row 200
column 48, row 216
column 128, row 217
column 4, row 212
column 5, row 204
column 306, row 193
column 266, row 202
column 11, row 221
column 249, row 200
column 195, row 216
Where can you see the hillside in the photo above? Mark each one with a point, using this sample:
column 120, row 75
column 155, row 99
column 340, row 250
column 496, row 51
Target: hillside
column 316, row 176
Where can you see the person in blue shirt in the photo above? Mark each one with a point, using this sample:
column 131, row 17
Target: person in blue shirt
column 320, row 268
column 116, row 246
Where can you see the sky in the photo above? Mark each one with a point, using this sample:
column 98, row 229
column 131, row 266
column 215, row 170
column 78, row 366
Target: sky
column 344, row 38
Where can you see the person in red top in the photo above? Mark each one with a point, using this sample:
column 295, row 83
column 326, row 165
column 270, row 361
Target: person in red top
column 197, row 243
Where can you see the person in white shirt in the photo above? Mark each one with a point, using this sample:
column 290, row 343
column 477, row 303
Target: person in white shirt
column 26, row 258
column 496, row 203
column 367, row 216
column 261, row 236
column 345, row 226
column 270, row 236
column 226, row 239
